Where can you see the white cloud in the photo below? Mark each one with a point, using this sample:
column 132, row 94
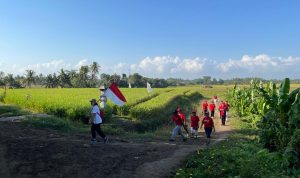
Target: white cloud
column 81, row 63
column 162, row 66
column 45, row 68
column 262, row 66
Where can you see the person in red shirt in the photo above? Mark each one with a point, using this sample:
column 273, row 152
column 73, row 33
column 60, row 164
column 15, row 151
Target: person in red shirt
column 194, row 124
column 208, row 126
column 212, row 107
column 222, row 109
column 178, row 128
column 204, row 106
column 227, row 110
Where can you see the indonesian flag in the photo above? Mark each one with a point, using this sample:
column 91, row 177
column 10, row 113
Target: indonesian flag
column 149, row 89
column 115, row 95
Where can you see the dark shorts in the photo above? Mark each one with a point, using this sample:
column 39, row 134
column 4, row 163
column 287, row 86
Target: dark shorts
column 208, row 131
column 195, row 128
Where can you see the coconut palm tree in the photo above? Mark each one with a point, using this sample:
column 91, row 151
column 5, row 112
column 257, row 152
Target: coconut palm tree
column 48, row 81
column 64, row 79
column 94, row 68
column 29, row 78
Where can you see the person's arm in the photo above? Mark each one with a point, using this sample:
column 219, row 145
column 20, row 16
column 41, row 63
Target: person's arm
column 201, row 124
column 93, row 115
column 213, row 125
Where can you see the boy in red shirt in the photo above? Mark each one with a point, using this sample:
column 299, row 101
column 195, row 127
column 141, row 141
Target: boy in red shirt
column 204, row 106
column 179, row 123
column 208, row 127
column 222, row 109
column 212, row 107
column 194, row 124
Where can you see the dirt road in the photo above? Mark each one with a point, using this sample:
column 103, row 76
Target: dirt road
column 30, row 152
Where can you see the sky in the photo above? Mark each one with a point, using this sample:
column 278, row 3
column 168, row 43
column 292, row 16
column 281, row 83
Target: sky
column 156, row 38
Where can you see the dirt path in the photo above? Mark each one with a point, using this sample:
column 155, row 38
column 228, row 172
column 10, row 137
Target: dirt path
column 30, row 152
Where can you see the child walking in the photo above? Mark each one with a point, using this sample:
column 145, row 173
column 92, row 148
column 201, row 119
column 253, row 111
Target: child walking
column 208, row 127
column 178, row 128
column 194, row 124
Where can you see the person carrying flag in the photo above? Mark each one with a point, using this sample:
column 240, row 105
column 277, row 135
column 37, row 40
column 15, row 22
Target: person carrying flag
column 204, row 106
column 212, row 107
column 178, row 128
column 96, row 122
column 194, row 124
column 208, row 127
column 215, row 100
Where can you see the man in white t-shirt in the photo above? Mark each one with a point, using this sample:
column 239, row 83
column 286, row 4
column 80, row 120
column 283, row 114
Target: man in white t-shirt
column 96, row 121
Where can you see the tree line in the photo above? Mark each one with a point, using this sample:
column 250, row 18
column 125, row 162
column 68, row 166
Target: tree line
column 88, row 77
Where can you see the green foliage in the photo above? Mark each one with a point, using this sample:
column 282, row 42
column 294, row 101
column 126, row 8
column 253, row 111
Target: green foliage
column 239, row 156
column 275, row 111
column 155, row 112
column 9, row 110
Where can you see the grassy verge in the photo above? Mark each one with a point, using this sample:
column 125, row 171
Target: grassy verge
column 240, row 156
column 10, row 110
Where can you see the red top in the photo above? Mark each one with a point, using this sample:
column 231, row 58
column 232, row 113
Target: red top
column 204, row 105
column 215, row 97
column 177, row 120
column 212, row 106
column 222, row 109
column 207, row 122
column 195, row 121
column 182, row 117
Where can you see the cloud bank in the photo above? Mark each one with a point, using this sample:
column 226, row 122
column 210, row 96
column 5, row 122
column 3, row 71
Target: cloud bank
column 261, row 65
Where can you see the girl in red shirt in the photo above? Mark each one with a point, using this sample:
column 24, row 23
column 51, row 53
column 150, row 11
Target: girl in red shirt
column 194, row 124
column 208, row 126
column 204, row 106
column 212, row 107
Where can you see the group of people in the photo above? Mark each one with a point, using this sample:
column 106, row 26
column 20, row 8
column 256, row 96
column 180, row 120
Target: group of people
column 223, row 109
column 179, row 119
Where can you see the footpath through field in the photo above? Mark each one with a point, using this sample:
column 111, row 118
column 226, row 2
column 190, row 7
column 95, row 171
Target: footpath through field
column 31, row 152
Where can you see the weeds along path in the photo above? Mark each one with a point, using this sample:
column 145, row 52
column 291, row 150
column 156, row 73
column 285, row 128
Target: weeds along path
column 29, row 152
column 167, row 166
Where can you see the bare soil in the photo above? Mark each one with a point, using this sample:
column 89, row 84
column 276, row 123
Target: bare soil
column 29, row 152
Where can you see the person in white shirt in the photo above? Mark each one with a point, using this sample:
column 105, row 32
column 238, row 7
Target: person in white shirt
column 96, row 121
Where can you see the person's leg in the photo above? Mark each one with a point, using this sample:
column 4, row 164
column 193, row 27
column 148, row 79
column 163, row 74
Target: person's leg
column 196, row 131
column 223, row 120
column 175, row 132
column 208, row 133
column 192, row 131
column 99, row 131
column 181, row 133
column 93, row 132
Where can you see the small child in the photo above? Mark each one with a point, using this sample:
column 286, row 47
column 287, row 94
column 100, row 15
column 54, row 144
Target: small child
column 212, row 107
column 194, row 124
column 208, row 127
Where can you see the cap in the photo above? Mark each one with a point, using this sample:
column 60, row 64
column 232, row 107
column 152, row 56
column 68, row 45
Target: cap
column 102, row 87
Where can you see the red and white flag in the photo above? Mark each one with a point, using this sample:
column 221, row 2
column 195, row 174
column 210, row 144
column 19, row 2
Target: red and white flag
column 115, row 95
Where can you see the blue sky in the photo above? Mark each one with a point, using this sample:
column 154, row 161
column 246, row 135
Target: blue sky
column 157, row 38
